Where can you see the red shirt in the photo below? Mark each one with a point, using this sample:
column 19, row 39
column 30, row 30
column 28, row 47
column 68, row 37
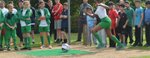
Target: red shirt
column 113, row 16
column 57, row 11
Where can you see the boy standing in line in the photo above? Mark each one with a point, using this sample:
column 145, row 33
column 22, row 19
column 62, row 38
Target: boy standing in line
column 138, row 23
column 122, row 23
column 113, row 16
column 56, row 12
column 91, row 21
column 130, row 14
column 147, row 23
column 64, row 23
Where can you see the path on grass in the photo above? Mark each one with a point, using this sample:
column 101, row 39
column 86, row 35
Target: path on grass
column 98, row 53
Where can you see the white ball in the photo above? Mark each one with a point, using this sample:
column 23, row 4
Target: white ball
column 65, row 46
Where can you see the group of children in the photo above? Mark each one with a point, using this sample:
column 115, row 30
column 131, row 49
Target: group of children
column 9, row 22
column 123, row 18
column 116, row 22
column 23, row 17
column 126, row 18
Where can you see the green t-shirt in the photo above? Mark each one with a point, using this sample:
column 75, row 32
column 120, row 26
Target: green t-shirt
column 10, row 19
column 1, row 17
column 130, row 14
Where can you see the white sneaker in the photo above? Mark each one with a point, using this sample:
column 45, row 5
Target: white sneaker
column 42, row 47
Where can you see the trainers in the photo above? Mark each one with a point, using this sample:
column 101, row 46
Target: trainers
column 100, row 46
column 146, row 45
column 16, row 48
column 24, row 48
column 1, row 49
column 8, row 49
column 33, row 42
column 42, row 47
column 50, row 47
column 121, row 47
column 29, row 48
column 140, row 45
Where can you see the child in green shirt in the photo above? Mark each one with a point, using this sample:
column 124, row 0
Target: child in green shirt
column 1, row 26
column 25, row 22
column 10, row 26
column 43, row 17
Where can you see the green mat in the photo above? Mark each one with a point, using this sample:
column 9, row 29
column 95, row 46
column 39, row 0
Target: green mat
column 53, row 52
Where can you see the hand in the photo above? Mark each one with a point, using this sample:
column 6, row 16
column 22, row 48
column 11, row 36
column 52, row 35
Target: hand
column 42, row 18
column 65, row 16
column 1, row 25
column 124, row 26
column 28, row 19
column 61, row 16
column 139, row 26
column 12, row 27
column 54, row 13
column 101, row 4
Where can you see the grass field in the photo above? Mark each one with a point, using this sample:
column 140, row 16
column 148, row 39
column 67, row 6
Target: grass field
column 74, row 38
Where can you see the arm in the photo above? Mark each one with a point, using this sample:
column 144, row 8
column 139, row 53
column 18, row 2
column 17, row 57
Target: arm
column 8, row 25
column 37, row 15
column 27, row 15
column 57, row 10
column 125, row 24
column 103, row 5
column 2, row 19
column 64, row 14
column 141, row 20
column 48, row 15
column 118, row 19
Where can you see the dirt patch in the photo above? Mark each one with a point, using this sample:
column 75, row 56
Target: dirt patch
column 98, row 53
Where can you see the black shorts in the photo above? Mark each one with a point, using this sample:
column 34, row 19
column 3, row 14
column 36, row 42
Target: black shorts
column 83, row 20
column 121, row 30
column 32, row 27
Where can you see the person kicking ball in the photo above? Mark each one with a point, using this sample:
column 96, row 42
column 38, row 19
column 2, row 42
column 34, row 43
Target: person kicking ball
column 104, row 24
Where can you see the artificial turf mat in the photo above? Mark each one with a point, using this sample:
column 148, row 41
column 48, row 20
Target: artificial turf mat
column 53, row 52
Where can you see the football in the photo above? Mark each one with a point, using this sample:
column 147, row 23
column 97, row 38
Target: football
column 65, row 47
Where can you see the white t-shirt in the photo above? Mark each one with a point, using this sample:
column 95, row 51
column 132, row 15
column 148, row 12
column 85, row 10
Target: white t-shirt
column 101, row 12
column 14, row 11
column 4, row 11
column 43, row 23
column 23, row 22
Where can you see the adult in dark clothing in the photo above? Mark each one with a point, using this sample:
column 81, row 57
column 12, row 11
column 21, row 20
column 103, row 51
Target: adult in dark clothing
column 82, row 20
column 49, row 6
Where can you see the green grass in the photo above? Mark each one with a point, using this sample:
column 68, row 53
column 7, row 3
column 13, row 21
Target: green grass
column 53, row 52
column 38, row 41
column 142, row 57
column 74, row 38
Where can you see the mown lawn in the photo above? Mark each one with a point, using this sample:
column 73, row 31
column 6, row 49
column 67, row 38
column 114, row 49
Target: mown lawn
column 74, row 38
